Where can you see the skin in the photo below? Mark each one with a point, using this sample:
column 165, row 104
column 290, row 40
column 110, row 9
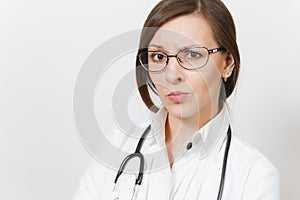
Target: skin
column 203, row 85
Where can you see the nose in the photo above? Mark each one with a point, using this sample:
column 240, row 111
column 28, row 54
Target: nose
column 173, row 72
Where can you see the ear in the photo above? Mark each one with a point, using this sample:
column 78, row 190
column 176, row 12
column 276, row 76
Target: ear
column 228, row 66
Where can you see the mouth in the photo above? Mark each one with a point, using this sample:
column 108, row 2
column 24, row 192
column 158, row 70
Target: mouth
column 178, row 96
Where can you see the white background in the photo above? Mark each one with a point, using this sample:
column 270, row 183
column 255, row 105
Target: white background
column 44, row 43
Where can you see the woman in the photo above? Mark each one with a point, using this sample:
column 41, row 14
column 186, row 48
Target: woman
column 191, row 61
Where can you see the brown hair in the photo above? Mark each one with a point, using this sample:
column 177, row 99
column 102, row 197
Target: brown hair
column 222, row 25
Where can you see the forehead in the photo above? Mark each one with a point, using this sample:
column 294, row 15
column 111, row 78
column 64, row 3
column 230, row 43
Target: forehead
column 187, row 30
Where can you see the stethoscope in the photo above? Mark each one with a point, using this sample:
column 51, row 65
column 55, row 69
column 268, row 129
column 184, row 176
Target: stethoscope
column 139, row 155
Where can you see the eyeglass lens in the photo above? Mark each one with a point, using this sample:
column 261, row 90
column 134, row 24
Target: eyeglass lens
column 192, row 58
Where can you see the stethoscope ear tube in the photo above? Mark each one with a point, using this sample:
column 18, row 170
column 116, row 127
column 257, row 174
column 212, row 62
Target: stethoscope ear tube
column 224, row 163
column 135, row 154
column 124, row 163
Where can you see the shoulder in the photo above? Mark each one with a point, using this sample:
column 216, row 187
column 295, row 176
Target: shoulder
column 247, row 155
column 91, row 184
column 258, row 175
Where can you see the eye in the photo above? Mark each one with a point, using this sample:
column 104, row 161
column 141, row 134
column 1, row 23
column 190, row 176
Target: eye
column 193, row 54
column 158, row 56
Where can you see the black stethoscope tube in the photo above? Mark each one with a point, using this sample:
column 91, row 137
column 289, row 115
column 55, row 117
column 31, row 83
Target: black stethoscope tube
column 224, row 163
column 138, row 154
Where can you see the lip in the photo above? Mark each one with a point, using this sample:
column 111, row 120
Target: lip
column 177, row 96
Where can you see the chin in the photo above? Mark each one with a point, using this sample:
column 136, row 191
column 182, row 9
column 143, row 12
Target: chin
column 182, row 110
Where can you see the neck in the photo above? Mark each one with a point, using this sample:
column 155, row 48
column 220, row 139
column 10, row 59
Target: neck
column 178, row 130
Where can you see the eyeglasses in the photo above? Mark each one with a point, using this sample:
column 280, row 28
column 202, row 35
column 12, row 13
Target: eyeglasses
column 189, row 58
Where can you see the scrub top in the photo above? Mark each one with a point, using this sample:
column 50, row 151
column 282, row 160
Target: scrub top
column 196, row 171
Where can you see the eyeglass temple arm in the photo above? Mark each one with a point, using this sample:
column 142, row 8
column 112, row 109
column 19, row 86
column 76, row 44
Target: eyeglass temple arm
column 216, row 50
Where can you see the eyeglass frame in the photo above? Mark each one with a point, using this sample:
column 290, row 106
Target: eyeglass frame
column 210, row 51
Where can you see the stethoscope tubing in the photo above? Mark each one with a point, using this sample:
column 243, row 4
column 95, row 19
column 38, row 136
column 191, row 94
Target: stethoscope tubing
column 139, row 155
column 222, row 181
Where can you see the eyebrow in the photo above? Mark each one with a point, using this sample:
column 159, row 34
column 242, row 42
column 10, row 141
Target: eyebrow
column 155, row 45
column 185, row 47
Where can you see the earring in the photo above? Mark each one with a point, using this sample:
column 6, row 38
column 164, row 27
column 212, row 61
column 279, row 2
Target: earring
column 227, row 76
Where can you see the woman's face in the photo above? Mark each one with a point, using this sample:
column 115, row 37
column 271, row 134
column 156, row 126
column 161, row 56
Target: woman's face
column 200, row 87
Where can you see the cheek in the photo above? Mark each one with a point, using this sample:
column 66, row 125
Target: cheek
column 158, row 80
column 206, row 83
column 160, row 85
column 199, row 87
column 197, row 82
column 212, row 75
column 218, row 65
